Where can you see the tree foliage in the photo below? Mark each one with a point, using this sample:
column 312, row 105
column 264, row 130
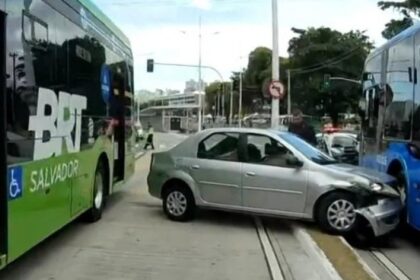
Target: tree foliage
column 408, row 10
column 316, row 52
column 312, row 53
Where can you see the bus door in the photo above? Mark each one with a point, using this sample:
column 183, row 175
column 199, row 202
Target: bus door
column 3, row 152
column 118, row 115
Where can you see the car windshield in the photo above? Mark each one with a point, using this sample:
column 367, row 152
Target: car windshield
column 344, row 141
column 307, row 149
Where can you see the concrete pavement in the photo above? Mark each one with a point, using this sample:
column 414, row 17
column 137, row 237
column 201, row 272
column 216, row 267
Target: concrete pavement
column 397, row 257
column 134, row 240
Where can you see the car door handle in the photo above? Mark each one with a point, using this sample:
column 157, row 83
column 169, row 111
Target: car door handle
column 195, row 167
column 250, row 174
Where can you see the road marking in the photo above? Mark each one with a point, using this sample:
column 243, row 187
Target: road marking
column 397, row 273
column 365, row 266
column 270, row 256
column 313, row 249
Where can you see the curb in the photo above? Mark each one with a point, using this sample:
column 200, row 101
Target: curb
column 139, row 154
column 360, row 260
column 312, row 248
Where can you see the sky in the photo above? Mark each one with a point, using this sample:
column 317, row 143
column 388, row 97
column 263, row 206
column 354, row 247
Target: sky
column 168, row 31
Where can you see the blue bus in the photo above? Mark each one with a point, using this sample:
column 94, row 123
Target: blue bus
column 390, row 110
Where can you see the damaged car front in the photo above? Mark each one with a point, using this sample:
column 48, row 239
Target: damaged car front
column 378, row 200
column 343, row 197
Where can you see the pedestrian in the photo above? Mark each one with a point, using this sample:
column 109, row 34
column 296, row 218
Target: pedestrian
column 302, row 129
column 149, row 140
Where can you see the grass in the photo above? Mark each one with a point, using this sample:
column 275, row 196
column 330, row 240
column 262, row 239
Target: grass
column 340, row 256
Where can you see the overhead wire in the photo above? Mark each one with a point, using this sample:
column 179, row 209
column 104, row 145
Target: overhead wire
column 330, row 61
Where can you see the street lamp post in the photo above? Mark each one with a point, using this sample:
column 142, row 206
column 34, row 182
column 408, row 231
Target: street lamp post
column 231, row 105
column 289, row 93
column 240, row 100
column 275, row 66
column 200, row 84
column 200, row 103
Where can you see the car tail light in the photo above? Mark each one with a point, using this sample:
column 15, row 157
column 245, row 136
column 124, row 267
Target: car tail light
column 152, row 161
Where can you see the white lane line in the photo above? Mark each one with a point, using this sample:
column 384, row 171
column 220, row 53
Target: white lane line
column 270, row 256
column 365, row 266
column 317, row 253
column 390, row 265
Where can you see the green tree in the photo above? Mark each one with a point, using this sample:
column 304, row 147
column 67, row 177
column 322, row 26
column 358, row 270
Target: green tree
column 316, row 52
column 408, row 10
column 214, row 90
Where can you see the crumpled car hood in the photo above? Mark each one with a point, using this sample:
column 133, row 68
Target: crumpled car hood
column 372, row 175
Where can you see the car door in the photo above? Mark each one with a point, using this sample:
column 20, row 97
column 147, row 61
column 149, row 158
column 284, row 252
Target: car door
column 269, row 182
column 217, row 170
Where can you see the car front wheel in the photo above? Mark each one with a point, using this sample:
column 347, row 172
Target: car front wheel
column 178, row 203
column 337, row 213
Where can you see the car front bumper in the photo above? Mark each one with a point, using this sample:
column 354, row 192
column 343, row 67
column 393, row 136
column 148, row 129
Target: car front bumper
column 384, row 216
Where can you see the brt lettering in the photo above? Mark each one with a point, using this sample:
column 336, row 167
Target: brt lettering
column 65, row 117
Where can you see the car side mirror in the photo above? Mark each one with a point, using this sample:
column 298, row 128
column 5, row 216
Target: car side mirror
column 294, row 162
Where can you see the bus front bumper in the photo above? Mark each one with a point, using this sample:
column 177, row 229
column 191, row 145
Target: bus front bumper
column 384, row 216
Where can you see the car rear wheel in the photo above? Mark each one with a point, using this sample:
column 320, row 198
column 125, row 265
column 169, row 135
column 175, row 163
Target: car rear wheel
column 178, row 203
column 337, row 213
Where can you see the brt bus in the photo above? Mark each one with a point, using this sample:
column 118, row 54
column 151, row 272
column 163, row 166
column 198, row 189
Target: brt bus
column 66, row 91
column 391, row 115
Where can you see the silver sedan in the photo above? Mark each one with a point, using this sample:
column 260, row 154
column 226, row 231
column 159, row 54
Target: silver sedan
column 267, row 172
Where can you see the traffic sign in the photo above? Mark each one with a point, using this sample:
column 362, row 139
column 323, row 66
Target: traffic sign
column 276, row 90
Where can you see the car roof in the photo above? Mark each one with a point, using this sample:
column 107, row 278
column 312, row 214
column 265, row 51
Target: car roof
column 243, row 130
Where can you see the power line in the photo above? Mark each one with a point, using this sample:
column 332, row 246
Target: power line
column 328, row 61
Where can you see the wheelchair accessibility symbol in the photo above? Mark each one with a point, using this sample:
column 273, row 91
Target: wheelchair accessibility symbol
column 15, row 182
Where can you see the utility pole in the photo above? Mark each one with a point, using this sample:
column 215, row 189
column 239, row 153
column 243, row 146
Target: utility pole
column 289, row 93
column 218, row 105
column 138, row 109
column 275, row 66
column 240, row 100
column 223, row 102
column 231, row 105
column 200, row 103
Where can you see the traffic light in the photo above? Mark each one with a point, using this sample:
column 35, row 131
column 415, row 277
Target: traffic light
column 150, row 65
column 235, row 84
column 327, row 81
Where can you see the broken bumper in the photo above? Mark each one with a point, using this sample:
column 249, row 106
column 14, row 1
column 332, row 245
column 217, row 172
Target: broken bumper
column 384, row 216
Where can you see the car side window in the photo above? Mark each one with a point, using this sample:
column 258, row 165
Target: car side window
column 219, row 146
column 264, row 150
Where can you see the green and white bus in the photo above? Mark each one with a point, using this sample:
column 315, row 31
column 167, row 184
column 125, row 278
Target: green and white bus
column 66, row 102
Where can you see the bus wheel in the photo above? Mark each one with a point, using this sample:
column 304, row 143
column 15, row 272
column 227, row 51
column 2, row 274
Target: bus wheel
column 95, row 212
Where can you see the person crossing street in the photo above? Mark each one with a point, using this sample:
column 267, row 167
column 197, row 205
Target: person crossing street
column 149, row 139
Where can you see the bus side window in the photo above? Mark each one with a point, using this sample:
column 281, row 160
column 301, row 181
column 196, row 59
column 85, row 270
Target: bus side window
column 398, row 94
column 416, row 116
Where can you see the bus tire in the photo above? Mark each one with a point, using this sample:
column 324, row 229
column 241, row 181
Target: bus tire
column 98, row 199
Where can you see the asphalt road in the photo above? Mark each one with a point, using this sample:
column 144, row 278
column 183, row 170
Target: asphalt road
column 398, row 254
column 134, row 240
